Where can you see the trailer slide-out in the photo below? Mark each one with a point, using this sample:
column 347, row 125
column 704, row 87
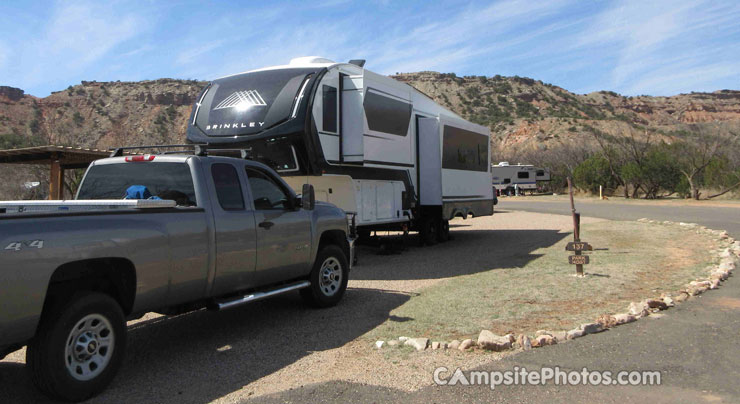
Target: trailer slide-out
column 367, row 143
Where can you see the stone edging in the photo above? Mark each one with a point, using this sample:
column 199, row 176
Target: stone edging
column 728, row 256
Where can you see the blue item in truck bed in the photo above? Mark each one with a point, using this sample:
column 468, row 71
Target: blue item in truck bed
column 139, row 192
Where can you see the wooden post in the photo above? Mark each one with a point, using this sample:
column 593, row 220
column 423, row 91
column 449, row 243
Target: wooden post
column 572, row 209
column 56, row 180
column 576, row 226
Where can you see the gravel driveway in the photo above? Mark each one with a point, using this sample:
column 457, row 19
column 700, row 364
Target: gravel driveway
column 279, row 344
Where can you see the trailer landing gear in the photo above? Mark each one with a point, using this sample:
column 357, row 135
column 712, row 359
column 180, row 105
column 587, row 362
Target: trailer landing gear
column 443, row 231
column 428, row 231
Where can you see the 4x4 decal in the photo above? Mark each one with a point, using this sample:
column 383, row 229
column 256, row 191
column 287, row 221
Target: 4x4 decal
column 19, row 245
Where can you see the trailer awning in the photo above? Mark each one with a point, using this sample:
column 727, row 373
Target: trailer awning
column 59, row 158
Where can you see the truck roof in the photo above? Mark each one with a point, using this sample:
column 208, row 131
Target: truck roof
column 173, row 158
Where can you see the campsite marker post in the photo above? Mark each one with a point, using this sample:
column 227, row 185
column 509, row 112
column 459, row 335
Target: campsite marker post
column 577, row 246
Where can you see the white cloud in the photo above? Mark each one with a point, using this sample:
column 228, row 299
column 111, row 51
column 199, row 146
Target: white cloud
column 76, row 37
column 660, row 45
column 136, row 51
column 191, row 54
column 83, row 33
column 461, row 36
column 671, row 81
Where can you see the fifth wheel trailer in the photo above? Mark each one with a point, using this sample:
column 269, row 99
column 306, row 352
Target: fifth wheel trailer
column 367, row 143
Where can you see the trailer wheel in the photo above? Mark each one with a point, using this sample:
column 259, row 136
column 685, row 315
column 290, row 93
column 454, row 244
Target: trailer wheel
column 443, row 231
column 78, row 348
column 428, row 231
column 328, row 278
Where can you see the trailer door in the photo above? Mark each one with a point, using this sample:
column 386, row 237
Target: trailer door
column 353, row 119
column 429, row 161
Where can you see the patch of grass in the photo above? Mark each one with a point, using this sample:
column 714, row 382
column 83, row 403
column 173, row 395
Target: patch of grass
column 642, row 261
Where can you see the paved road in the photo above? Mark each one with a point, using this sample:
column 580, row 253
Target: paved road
column 714, row 217
column 694, row 345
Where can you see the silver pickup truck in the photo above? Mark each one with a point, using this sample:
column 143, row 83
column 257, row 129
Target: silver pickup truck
column 194, row 231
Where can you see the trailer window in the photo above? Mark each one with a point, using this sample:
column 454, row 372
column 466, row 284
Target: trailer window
column 540, row 173
column 464, row 150
column 507, row 180
column 329, row 108
column 228, row 189
column 165, row 180
column 387, row 115
column 522, row 174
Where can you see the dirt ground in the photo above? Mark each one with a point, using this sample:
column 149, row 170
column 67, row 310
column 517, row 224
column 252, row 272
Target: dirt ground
column 279, row 344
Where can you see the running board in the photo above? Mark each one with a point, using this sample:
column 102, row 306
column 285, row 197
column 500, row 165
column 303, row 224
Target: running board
column 238, row 301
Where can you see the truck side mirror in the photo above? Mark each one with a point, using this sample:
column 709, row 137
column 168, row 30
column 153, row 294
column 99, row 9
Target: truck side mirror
column 308, row 197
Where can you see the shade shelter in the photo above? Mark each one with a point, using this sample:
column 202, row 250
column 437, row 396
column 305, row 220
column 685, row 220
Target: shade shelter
column 59, row 158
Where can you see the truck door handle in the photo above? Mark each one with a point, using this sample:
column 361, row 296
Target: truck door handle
column 266, row 225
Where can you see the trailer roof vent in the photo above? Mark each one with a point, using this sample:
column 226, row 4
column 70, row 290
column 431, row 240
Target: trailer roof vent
column 307, row 60
column 357, row 62
column 503, row 163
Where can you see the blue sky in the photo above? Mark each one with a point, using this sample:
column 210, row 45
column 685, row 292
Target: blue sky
column 652, row 47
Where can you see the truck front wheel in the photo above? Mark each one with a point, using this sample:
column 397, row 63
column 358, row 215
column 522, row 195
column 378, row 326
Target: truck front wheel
column 328, row 278
column 78, row 348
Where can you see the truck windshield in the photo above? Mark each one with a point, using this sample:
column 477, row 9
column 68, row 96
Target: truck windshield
column 171, row 181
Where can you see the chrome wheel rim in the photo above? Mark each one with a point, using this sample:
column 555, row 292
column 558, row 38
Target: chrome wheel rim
column 89, row 347
column 331, row 276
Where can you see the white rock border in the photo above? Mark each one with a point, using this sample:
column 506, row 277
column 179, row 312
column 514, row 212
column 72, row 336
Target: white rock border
column 727, row 258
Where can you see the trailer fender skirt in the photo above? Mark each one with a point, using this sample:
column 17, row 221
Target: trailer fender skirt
column 482, row 207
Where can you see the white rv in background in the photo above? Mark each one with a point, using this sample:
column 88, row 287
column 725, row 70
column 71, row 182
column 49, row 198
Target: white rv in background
column 367, row 143
column 520, row 177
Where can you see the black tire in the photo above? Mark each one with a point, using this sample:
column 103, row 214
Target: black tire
column 443, row 231
column 428, row 231
column 326, row 291
column 47, row 355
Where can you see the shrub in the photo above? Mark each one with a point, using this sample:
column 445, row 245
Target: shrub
column 591, row 173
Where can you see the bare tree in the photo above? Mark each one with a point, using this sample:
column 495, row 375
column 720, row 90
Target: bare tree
column 695, row 152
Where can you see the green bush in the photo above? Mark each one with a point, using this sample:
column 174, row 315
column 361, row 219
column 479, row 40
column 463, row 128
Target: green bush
column 591, row 173
column 657, row 171
column 16, row 141
column 77, row 118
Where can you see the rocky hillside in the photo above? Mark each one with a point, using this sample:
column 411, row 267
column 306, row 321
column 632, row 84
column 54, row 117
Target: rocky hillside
column 521, row 112
column 101, row 115
column 527, row 113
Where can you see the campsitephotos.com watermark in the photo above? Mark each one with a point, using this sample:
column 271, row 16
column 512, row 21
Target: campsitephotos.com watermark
column 521, row 376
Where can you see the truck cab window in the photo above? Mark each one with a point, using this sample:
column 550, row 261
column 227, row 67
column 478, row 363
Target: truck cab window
column 228, row 189
column 164, row 180
column 265, row 192
column 329, row 108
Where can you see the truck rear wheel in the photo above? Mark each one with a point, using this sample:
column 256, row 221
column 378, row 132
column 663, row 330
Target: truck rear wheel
column 78, row 348
column 328, row 278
